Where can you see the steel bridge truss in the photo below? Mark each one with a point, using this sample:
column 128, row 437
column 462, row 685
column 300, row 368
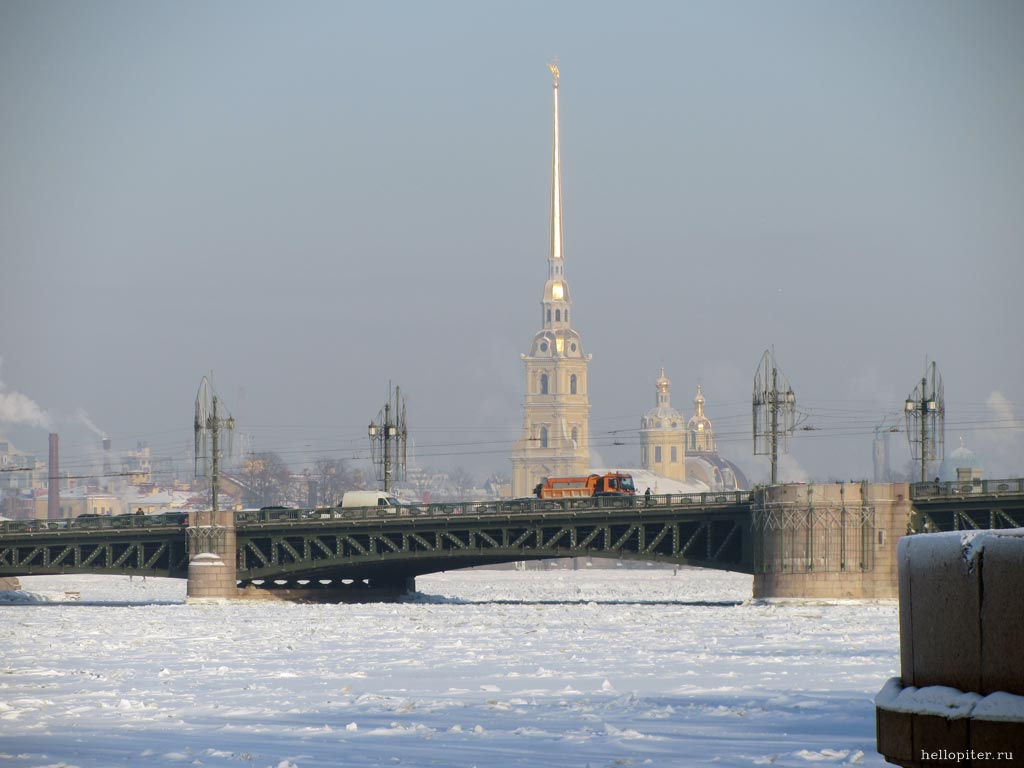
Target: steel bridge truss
column 156, row 555
column 967, row 506
column 404, row 549
column 931, row 519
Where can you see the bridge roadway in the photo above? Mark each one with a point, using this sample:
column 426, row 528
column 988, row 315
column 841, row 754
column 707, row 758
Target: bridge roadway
column 331, row 547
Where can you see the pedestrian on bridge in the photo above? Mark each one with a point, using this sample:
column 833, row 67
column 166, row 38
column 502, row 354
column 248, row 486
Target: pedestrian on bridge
column 647, row 497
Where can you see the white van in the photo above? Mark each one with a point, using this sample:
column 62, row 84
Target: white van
column 368, row 499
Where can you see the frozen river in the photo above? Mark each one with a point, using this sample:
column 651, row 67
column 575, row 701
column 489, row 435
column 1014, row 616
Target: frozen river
column 486, row 668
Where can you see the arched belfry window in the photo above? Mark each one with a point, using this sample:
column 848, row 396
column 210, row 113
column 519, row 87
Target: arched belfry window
column 572, row 384
column 549, row 315
column 543, row 437
column 543, row 383
column 558, row 315
column 575, row 437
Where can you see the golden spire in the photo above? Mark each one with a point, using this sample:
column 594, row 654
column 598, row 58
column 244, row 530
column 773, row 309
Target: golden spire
column 556, row 254
column 662, row 383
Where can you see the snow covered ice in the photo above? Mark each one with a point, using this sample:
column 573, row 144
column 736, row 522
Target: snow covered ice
column 484, row 668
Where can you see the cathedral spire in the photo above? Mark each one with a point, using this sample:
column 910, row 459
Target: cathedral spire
column 556, row 302
column 556, row 434
column 556, row 254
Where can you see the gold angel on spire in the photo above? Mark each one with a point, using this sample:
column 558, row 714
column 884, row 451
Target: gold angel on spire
column 553, row 66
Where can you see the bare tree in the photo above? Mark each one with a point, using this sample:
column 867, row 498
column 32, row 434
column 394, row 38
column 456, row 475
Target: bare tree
column 267, row 479
column 333, row 478
column 461, row 481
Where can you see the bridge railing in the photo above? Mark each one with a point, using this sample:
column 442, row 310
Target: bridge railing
column 508, row 507
column 94, row 522
column 948, row 490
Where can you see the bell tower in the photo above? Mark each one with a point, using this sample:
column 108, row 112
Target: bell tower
column 556, row 436
column 700, row 436
column 663, row 435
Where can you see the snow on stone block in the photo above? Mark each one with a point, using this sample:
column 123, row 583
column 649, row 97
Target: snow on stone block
column 1000, row 706
column 206, row 559
column 938, row 700
column 949, row 702
column 969, row 545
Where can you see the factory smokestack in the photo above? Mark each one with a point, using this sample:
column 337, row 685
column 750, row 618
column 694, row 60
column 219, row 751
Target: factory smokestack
column 106, row 463
column 53, row 486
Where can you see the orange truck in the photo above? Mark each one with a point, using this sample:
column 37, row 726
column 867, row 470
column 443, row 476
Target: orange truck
column 611, row 484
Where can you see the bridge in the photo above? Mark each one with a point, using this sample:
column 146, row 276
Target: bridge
column 385, row 547
column 330, row 548
column 970, row 505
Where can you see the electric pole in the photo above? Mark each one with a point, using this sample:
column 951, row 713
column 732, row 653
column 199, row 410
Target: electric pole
column 925, row 412
column 209, row 422
column 388, row 436
column 774, row 412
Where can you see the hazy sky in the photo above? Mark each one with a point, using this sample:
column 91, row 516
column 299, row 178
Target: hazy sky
column 312, row 199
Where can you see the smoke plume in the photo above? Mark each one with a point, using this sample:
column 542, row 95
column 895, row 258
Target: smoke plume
column 83, row 417
column 16, row 408
column 1001, row 447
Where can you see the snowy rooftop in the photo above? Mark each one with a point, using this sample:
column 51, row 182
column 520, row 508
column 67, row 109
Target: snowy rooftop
column 644, row 479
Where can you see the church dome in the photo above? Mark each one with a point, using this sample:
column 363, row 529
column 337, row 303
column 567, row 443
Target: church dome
column 961, row 458
column 663, row 416
column 563, row 342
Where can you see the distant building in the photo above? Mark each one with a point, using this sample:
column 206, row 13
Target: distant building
column 556, row 434
column 81, row 501
column 684, row 453
column 18, row 471
column 663, row 435
column 137, row 465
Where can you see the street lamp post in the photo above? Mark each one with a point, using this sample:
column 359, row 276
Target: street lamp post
column 385, row 432
column 924, row 410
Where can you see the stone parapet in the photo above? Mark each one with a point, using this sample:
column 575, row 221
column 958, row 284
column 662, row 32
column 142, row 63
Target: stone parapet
column 959, row 699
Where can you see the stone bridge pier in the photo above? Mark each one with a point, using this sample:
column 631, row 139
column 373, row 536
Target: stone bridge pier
column 212, row 550
column 828, row 540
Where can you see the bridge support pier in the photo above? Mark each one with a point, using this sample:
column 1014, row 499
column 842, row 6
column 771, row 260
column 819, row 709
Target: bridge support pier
column 212, row 549
column 834, row 540
column 399, row 585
